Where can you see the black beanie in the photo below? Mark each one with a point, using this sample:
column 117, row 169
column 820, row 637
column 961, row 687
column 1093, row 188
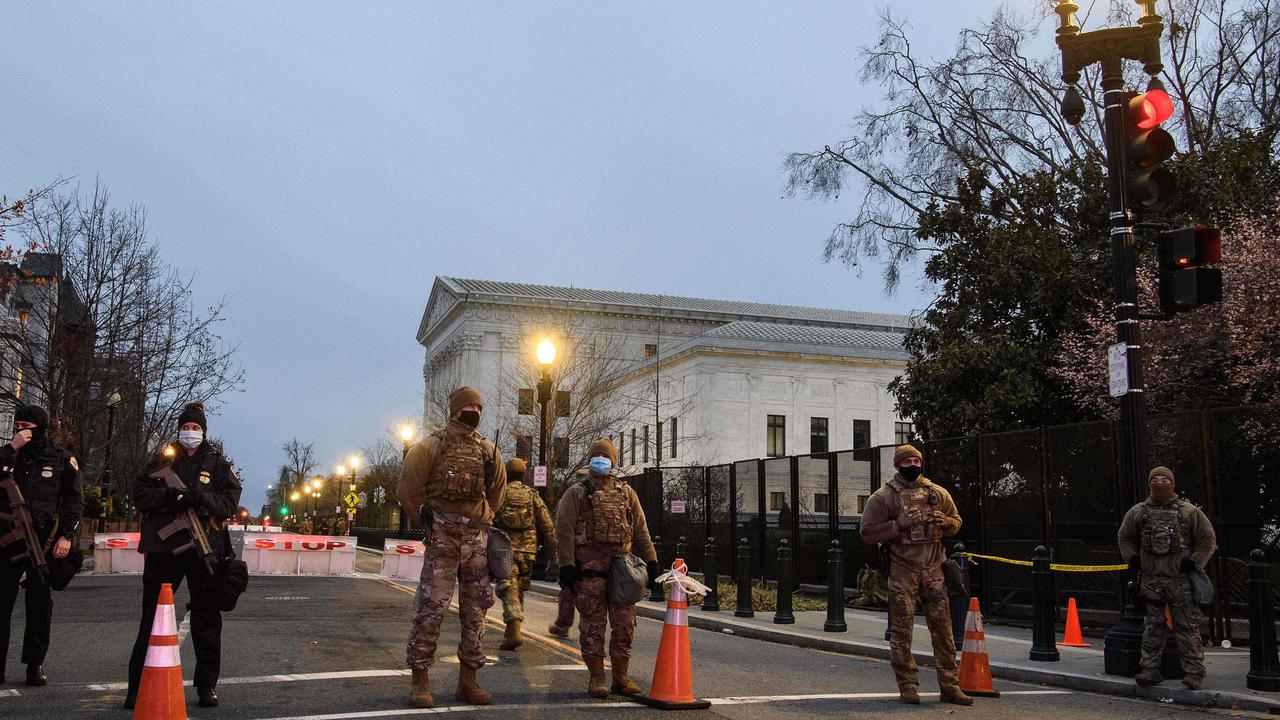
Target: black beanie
column 194, row 412
column 32, row 414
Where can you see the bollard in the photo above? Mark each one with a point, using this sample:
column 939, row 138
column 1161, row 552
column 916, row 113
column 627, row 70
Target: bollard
column 1264, row 669
column 960, row 603
column 711, row 577
column 835, row 590
column 1122, row 645
column 783, row 615
column 1044, row 647
column 682, row 549
column 744, row 581
column 655, row 590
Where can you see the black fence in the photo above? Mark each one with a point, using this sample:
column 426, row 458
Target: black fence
column 1057, row 486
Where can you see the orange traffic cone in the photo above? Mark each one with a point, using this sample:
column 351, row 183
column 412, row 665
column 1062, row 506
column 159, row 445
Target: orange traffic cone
column 672, row 686
column 160, row 695
column 975, row 668
column 1072, row 637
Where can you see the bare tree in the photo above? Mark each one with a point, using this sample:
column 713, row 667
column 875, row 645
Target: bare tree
column 301, row 460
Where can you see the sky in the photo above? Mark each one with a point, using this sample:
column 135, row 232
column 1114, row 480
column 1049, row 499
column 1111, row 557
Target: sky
column 318, row 164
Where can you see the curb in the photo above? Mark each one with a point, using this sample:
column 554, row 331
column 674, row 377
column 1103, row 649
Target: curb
column 1004, row 671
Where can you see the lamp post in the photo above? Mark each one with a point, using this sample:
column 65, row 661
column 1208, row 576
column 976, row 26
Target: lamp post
column 546, row 355
column 406, row 439
column 105, row 495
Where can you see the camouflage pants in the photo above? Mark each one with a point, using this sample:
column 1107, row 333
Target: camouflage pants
column 455, row 555
column 1186, row 624
column 564, row 612
column 512, row 591
column 593, row 603
column 909, row 588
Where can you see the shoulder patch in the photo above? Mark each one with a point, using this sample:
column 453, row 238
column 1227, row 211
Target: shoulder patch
column 74, row 464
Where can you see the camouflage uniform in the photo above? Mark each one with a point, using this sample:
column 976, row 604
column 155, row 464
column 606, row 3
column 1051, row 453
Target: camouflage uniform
column 565, row 605
column 524, row 518
column 1162, row 534
column 915, row 575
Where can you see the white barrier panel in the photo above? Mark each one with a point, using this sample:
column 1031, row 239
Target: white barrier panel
column 402, row 559
column 283, row 554
column 117, row 554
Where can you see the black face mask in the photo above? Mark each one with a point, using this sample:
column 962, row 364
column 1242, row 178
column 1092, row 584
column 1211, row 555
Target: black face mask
column 469, row 417
column 910, row 472
column 39, row 436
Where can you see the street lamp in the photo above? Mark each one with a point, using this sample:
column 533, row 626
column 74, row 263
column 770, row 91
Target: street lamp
column 353, row 462
column 546, row 354
column 406, row 439
column 105, row 483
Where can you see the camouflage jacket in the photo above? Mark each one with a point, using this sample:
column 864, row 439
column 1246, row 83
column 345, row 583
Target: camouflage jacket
column 1161, row 534
column 524, row 518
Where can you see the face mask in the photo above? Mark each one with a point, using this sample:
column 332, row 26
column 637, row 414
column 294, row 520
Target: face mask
column 190, row 439
column 600, row 465
column 910, row 472
column 470, row 418
column 1161, row 493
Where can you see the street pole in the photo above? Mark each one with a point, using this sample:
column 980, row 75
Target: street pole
column 404, row 455
column 105, row 498
column 544, row 397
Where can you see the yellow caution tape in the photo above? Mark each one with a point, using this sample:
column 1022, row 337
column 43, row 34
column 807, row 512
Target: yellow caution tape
column 1060, row 567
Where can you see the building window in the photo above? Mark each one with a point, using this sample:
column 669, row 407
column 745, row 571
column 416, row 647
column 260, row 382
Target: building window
column 657, row 446
column 903, row 433
column 862, row 502
column 633, row 446
column 645, row 444
column 817, row 435
column 776, row 501
column 562, row 452
column 523, row 447
column 777, row 440
column 650, row 350
column 675, row 439
column 821, row 502
column 861, row 434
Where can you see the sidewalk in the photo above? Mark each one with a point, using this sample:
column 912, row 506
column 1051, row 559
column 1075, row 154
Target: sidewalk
column 1079, row 668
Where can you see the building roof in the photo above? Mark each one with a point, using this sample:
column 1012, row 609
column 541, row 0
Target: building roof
column 808, row 335
column 675, row 303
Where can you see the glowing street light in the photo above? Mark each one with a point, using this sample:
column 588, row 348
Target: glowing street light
column 546, row 351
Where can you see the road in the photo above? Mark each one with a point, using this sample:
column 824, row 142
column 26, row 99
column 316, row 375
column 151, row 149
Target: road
column 333, row 649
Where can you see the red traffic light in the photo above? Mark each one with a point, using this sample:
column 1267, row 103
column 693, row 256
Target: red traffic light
column 1184, row 283
column 1150, row 109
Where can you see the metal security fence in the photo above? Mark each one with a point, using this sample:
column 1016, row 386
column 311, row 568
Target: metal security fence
column 1057, row 486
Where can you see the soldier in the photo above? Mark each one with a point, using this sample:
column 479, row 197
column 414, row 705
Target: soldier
column 912, row 515
column 212, row 490
column 524, row 517
column 49, row 478
column 1167, row 537
column 598, row 518
column 452, row 481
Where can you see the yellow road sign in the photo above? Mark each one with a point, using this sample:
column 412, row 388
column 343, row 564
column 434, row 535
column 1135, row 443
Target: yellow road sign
column 351, row 499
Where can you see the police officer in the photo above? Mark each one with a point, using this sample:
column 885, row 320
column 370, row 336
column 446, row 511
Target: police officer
column 455, row 478
column 1168, row 538
column 524, row 517
column 49, row 478
column 212, row 490
column 598, row 518
column 912, row 515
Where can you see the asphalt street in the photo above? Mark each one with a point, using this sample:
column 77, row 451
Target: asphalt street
column 333, row 648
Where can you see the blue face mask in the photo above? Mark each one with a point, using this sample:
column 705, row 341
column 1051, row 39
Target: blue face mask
column 600, row 465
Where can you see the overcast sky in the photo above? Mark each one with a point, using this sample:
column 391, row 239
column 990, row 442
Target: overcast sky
column 318, row 164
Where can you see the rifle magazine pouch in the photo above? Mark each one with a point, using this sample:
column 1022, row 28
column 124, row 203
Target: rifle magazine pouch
column 61, row 570
column 628, row 580
column 501, row 555
column 233, row 579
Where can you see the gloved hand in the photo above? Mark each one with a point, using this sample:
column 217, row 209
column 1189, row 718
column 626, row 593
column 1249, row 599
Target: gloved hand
column 652, row 567
column 910, row 517
column 1187, row 565
column 181, row 498
column 569, row 576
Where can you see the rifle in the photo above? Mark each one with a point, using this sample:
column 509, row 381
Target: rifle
column 186, row 520
column 22, row 529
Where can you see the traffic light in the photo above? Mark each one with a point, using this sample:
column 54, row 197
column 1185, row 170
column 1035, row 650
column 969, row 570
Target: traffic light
column 284, row 511
column 1147, row 147
column 1184, row 283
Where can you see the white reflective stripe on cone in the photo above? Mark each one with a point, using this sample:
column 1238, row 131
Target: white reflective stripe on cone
column 162, row 656
column 678, row 617
column 677, row 593
column 165, row 622
column 972, row 623
column 974, row 646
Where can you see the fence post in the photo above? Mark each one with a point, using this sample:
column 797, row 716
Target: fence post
column 655, row 591
column 783, row 615
column 1043, row 609
column 1264, row 669
column 960, row 603
column 682, row 550
column 744, row 580
column 835, row 590
column 711, row 576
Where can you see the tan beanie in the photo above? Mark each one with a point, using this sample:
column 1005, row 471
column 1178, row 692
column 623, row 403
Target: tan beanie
column 463, row 397
column 1162, row 470
column 903, row 452
column 515, row 468
column 604, row 446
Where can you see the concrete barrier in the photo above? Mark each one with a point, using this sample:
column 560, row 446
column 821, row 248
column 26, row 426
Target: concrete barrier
column 284, row 554
column 117, row 554
column 402, row 559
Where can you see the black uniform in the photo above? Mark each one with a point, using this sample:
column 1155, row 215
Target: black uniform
column 213, row 491
column 49, row 479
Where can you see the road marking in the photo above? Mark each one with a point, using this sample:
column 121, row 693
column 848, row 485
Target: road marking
column 287, row 597
column 9, row 693
column 184, row 627
column 597, row 706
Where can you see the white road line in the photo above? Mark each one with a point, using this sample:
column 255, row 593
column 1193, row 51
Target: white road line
column 307, row 677
column 9, row 693
column 757, row 700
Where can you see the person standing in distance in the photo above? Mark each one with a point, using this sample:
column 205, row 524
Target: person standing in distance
column 913, row 515
column 212, row 490
column 598, row 518
column 49, row 478
column 524, row 517
column 452, row 481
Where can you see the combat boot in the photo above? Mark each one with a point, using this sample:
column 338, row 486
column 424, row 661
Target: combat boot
column 468, row 690
column 909, row 694
column 558, row 631
column 955, row 696
column 511, row 638
column 596, row 686
column 420, row 695
column 1149, row 676
column 1193, row 681
column 623, row 685
column 36, row 676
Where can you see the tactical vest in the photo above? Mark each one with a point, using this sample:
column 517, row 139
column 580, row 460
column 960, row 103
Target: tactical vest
column 926, row 500
column 460, row 469
column 608, row 520
column 1165, row 528
column 517, row 512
